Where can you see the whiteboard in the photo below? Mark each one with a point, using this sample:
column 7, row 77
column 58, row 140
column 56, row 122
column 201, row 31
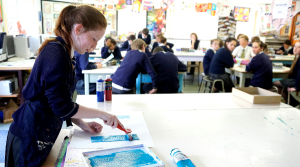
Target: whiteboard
column 129, row 21
column 184, row 22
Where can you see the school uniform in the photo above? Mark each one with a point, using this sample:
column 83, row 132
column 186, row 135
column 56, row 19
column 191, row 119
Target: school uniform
column 290, row 50
column 243, row 53
column 166, row 66
column 82, row 63
column 165, row 48
column 133, row 64
column 156, row 44
column 105, row 52
column 125, row 46
column 147, row 39
column 196, row 46
column 148, row 52
column 38, row 121
column 261, row 67
column 207, row 60
column 221, row 60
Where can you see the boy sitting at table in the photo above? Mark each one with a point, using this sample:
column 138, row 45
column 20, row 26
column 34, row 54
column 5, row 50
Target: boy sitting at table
column 111, row 48
column 155, row 44
column 127, row 44
column 166, row 66
column 243, row 51
column 286, row 49
column 144, row 35
column 82, row 63
column 164, row 46
column 215, row 44
column 135, row 62
column 261, row 66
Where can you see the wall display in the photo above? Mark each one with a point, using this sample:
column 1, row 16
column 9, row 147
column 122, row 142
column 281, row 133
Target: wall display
column 47, row 8
column 48, row 25
column 121, row 4
column 136, row 5
column 128, row 2
column 148, row 5
column 278, row 23
column 226, row 27
column 156, row 21
column 223, row 9
column 57, row 7
column 266, row 25
column 164, row 5
column 55, row 15
column 201, row 7
column 241, row 14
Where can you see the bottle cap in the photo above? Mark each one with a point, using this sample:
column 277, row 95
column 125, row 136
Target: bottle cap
column 107, row 76
column 99, row 77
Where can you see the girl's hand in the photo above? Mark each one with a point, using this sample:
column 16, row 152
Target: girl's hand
column 92, row 127
column 99, row 65
column 291, row 89
column 111, row 120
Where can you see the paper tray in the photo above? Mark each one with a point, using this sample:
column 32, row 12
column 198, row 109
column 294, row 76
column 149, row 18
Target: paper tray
column 89, row 154
column 257, row 95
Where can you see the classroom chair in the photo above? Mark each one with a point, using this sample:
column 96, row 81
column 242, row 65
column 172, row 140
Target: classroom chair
column 207, row 80
column 202, row 77
column 195, row 66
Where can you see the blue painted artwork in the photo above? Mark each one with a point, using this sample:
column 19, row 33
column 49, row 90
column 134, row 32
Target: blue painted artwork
column 3, row 137
column 96, row 139
column 131, row 158
column 123, row 116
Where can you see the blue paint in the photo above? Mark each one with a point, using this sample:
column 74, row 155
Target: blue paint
column 269, row 120
column 123, row 116
column 131, row 158
column 281, row 120
column 96, row 139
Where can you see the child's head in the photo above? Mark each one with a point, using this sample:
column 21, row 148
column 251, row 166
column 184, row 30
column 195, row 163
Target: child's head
column 81, row 26
column 216, row 44
column 158, row 36
column 194, row 37
column 163, row 40
column 230, row 44
column 257, row 47
column 112, row 45
column 131, row 38
column 265, row 48
column 157, row 49
column 105, row 41
column 138, row 44
column 297, row 48
column 286, row 44
column 255, row 39
column 238, row 37
column 243, row 40
column 145, row 32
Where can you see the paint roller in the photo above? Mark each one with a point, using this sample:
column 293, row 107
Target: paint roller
column 127, row 131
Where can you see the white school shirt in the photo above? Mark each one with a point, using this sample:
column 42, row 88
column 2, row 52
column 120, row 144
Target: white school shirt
column 237, row 52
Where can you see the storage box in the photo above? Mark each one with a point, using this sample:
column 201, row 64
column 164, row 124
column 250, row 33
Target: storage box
column 8, row 109
column 256, row 95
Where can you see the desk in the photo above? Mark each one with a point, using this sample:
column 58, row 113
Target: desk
column 91, row 76
column 240, row 71
column 190, row 56
column 224, row 137
column 18, row 67
column 123, row 53
column 286, row 60
column 173, row 102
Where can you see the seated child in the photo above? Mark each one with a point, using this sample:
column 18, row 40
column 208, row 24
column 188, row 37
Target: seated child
column 135, row 62
column 145, row 36
column 163, row 44
column 166, row 66
column 82, row 63
column 126, row 44
column 215, row 44
column 254, row 39
column 286, row 49
column 292, row 83
column 111, row 48
column 243, row 51
column 261, row 66
column 221, row 60
column 155, row 44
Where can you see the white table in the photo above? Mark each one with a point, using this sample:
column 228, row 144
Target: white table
column 167, row 102
column 241, row 72
column 252, row 136
column 190, row 56
column 91, row 76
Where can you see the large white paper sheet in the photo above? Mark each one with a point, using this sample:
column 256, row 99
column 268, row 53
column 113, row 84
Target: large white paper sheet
column 134, row 121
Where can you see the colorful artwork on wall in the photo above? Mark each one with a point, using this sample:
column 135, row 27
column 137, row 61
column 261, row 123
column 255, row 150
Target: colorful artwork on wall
column 241, row 14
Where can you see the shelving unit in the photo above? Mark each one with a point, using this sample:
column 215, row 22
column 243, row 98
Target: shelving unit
column 272, row 42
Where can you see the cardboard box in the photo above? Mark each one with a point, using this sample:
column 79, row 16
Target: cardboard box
column 8, row 110
column 256, row 95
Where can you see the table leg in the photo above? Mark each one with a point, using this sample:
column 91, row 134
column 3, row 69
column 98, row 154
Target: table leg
column 87, row 84
column 242, row 80
column 20, row 78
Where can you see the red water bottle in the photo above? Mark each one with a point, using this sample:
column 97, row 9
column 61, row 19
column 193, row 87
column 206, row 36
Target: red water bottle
column 108, row 88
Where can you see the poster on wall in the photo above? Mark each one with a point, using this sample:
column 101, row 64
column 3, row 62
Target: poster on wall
column 156, row 21
column 47, row 8
column 148, row 5
column 278, row 23
column 201, row 7
column 241, row 14
column 223, row 9
column 296, row 36
column 48, row 25
column 128, row 2
column 121, row 5
column 57, row 7
column 137, row 5
column 266, row 25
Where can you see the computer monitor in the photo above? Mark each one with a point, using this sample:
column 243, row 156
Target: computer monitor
column 35, row 42
column 2, row 34
column 22, row 47
column 10, row 46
